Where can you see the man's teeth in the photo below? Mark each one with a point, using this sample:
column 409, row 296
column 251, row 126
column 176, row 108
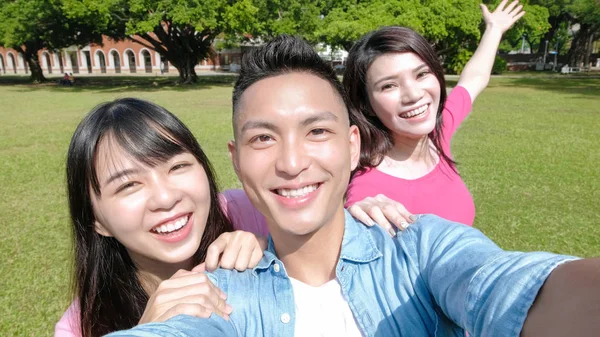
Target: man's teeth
column 415, row 112
column 296, row 193
column 172, row 226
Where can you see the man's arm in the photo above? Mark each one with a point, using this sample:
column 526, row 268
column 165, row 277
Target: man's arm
column 568, row 303
column 182, row 326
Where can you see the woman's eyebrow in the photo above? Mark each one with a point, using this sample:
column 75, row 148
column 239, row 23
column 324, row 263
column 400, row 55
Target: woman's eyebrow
column 120, row 174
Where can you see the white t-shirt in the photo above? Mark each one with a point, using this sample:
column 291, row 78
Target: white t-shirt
column 323, row 311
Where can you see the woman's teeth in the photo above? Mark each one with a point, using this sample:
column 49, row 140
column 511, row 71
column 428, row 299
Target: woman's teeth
column 171, row 226
column 297, row 193
column 415, row 112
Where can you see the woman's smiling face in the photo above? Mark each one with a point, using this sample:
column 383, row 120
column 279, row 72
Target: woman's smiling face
column 158, row 213
column 404, row 94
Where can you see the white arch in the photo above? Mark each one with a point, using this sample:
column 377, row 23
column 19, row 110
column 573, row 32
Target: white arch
column 142, row 59
column 20, row 61
column 45, row 65
column 97, row 58
column 14, row 68
column 110, row 62
column 156, row 59
column 127, row 58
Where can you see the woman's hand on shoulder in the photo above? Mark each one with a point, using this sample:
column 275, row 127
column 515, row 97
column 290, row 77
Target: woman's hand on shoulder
column 384, row 211
column 186, row 292
column 238, row 250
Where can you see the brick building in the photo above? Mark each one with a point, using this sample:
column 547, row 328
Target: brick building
column 124, row 57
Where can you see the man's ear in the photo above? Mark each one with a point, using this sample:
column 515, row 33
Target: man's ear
column 354, row 138
column 233, row 156
column 100, row 229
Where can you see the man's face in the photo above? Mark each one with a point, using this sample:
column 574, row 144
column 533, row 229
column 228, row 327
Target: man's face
column 294, row 151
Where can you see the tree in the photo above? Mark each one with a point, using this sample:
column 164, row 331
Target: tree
column 183, row 31
column 29, row 26
column 451, row 26
column 294, row 17
column 587, row 14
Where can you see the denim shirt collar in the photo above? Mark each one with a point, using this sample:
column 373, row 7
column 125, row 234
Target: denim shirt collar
column 357, row 245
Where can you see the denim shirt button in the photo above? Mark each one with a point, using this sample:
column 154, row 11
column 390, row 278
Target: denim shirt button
column 276, row 267
column 285, row 318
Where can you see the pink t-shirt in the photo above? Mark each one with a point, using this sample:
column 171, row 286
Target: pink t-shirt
column 238, row 209
column 441, row 191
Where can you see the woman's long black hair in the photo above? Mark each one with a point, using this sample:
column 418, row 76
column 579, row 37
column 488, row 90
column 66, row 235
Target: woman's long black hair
column 376, row 138
column 107, row 287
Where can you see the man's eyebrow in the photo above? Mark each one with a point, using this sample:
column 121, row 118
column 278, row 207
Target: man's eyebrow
column 119, row 175
column 318, row 117
column 258, row 124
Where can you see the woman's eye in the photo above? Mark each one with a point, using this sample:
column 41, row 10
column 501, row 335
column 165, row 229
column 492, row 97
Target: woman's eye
column 387, row 86
column 126, row 186
column 179, row 166
column 424, row 73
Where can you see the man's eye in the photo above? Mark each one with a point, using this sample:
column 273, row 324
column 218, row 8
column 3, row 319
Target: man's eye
column 262, row 139
column 318, row 132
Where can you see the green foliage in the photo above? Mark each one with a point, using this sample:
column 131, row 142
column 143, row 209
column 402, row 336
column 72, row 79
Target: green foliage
column 31, row 25
column 295, row 17
column 455, row 63
column 450, row 25
column 500, row 66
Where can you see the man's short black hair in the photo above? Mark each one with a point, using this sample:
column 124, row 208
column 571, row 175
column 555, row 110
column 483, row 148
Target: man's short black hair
column 282, row 55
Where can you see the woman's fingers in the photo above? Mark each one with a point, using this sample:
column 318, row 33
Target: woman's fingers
column 383, row 211
column 236, row 250
column 361, row 215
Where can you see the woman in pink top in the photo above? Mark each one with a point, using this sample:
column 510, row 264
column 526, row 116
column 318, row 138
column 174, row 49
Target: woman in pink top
column 398, row 96
column 145, row 213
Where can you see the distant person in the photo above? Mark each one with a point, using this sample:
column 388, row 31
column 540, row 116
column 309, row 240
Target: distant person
column 398, row 98
column 162, row 67
column 65, row 80
column 71, row 78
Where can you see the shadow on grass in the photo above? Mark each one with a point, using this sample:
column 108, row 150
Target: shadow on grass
column 119, row 83
column 578, row 85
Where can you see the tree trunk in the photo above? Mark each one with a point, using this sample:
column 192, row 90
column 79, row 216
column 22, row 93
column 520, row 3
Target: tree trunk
column 185, row 65
column 579, row 46
column 588, row 51
column 37, row 75
column 30, row 56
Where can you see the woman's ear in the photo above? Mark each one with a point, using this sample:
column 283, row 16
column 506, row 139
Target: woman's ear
column 100, row 229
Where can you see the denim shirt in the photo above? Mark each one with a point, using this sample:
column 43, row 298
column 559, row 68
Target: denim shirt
column 433, row 279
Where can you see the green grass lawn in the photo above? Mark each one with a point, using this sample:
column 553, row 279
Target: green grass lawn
column 529, row 155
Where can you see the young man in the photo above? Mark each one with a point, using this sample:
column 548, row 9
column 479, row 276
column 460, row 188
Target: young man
column 325, row 274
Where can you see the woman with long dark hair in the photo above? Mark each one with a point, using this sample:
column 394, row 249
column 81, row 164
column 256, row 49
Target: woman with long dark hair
column 397, row 90
column 145, row 208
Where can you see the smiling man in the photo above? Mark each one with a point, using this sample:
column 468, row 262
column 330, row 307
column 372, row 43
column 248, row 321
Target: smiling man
column 325, row 274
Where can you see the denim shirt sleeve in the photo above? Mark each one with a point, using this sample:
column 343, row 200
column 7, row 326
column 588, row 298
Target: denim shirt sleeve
column 181, row 326
column 482, row 288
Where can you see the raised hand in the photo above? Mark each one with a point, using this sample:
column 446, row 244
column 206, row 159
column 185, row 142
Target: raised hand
column 503, row 17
